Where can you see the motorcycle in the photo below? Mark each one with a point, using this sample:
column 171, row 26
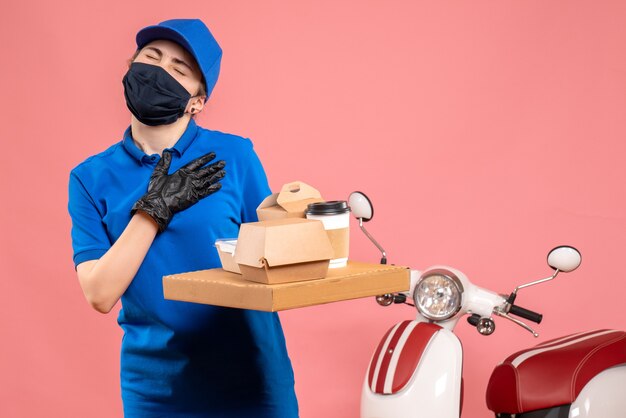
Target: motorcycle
column 416, row 370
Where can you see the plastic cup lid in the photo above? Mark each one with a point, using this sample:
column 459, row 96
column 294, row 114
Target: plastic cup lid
column 333, row 207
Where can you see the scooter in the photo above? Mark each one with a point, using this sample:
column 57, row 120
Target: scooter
column 416, row 370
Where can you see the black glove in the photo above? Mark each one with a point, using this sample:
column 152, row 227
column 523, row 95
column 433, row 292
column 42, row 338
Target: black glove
column 168, row 194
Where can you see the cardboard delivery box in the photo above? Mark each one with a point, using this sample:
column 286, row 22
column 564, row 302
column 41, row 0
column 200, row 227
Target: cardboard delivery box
column 223, row 288
column 226, row 251
column 283, row 250
column 289, row 203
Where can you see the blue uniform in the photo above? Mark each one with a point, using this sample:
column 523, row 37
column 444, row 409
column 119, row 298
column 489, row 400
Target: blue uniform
column 184, row 359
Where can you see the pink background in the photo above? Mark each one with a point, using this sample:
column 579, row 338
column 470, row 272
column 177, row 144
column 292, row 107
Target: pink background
column 486, row 132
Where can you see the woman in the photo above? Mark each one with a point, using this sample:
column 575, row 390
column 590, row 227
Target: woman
column 152, row 205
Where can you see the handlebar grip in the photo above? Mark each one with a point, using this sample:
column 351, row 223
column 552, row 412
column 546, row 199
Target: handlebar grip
column 525, row 313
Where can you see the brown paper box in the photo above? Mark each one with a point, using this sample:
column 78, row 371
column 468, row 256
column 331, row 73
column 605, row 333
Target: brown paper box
column 291, row 202
column 222, row 288
column 283, row 250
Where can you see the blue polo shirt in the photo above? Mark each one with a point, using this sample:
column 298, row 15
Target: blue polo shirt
column 177, row 358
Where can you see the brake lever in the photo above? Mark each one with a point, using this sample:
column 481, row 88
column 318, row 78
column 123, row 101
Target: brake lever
column 502, row 314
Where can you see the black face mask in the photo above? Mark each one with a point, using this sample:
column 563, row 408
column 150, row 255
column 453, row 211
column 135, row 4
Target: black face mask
column 153, row 95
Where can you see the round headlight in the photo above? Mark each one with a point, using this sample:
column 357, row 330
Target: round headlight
column 438, row 294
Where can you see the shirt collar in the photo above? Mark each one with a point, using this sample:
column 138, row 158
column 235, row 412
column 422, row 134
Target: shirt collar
column 179, row 148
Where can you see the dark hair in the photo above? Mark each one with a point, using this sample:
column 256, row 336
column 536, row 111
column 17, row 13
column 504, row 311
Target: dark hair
column 201, row 90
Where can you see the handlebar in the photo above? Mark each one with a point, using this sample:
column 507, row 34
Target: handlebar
column 525, row 313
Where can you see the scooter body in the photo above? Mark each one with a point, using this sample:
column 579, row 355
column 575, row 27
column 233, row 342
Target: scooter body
column 417, row 363
column 416, row 370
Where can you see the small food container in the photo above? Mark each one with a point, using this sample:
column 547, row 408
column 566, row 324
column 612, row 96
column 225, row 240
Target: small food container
column 226, row 251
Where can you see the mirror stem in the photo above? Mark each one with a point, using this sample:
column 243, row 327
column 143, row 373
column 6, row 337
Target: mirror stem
column 536, row 282
column 382, row 260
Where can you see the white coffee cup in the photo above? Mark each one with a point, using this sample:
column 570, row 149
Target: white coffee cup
column 335, row 215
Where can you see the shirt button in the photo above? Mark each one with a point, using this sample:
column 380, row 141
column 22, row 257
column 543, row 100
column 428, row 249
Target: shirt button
column 153, row 158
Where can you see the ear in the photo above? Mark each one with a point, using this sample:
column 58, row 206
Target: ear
column 196, row 104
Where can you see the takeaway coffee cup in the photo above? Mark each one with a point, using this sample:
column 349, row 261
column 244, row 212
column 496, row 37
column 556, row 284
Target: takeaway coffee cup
column 335, row 215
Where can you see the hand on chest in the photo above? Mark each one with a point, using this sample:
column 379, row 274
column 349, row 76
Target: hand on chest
column 210, row 212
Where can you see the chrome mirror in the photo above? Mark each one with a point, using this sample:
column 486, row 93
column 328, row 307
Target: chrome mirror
column 361, row 206
column 564, row 258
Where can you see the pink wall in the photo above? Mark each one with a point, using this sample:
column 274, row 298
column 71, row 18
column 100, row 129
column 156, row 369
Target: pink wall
column 486, row 133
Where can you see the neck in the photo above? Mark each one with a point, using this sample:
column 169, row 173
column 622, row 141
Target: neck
column 154, row 139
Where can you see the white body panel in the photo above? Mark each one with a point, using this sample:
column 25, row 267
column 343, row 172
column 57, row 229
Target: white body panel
column 603, row 396
column 433, row 391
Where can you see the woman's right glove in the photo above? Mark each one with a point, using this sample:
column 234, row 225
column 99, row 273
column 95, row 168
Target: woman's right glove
column 168, row 194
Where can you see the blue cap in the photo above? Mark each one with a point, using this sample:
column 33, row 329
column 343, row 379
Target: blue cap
column 195, row 37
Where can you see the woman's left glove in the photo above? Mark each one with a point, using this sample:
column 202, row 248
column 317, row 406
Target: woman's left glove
column 168, row 194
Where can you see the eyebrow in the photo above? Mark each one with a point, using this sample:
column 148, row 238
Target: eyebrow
column 174, row 59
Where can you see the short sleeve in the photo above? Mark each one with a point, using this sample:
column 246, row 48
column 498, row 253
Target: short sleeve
column 255, row 187
column 89, row 238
